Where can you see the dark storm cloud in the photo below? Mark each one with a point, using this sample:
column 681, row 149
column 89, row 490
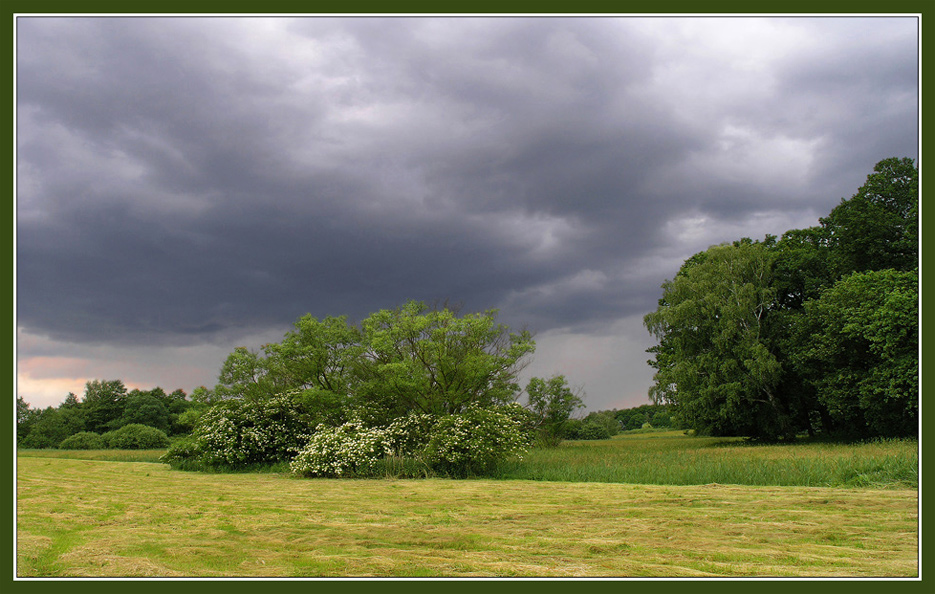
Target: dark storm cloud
column 192, row 179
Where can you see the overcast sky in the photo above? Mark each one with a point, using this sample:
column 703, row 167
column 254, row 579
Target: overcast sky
column 189, row 185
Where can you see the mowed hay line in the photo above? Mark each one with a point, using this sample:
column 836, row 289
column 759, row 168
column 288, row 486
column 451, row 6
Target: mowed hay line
column 95, row 518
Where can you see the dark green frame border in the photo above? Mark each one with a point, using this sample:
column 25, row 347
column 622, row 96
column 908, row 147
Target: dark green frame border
column 11, row 8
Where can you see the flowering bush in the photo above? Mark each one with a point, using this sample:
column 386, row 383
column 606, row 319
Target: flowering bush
column 407, row 436
column 471, row 443
column 241, row 433
column 474, row 442
column 348, row 450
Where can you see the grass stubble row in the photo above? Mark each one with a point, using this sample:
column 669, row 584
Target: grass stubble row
column 103, row 518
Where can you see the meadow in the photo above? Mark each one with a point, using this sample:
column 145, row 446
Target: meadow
column 584, row 509
column 672, row 458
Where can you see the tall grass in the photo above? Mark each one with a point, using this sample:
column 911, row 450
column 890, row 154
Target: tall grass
column 99, row 455
column 675, row 459
column 657, row 458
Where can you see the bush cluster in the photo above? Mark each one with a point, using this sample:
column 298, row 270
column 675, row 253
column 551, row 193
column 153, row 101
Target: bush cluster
column 135, row 437
column 238, row 434
column 129, row 437
column 473, row 443
column 466, row 444
column 85, row 440
column 348, row 450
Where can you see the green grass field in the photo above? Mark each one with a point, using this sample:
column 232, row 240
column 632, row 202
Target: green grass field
column 96, row 514
column 671, row 458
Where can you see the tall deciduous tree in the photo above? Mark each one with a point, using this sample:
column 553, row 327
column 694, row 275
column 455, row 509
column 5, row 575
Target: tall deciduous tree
column 104, row 402
column 713, row 361
column 860, row 351
column 433, row 361
column 410, row 359
column 877, row 228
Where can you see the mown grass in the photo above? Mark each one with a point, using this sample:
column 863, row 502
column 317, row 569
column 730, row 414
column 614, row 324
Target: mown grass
column 85, row 517
column 672, row 458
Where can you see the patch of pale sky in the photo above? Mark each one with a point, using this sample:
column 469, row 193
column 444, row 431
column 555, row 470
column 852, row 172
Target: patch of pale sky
column 745, row 155
column 47, row 370
column 695, row 231
column 613, row 381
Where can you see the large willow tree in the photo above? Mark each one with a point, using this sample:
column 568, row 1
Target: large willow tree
column 713, row 361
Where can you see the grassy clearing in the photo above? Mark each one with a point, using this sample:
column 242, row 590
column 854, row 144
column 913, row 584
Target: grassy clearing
column 671, row 458
column 104, row 455
column 81, row 517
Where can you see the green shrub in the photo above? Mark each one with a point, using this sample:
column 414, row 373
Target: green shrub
column 572, row 429
column 474, row 442
column 407, row 436
column 180, row 452
column 606, row 420
column 241, row 434
column 593, row 430
column 85, row 440
column 467, row 444
column 348, row 450
column 135, row 437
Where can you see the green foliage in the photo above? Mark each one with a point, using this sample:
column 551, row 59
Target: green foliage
column 713, row 361
column 47, row 429
column 241, row 433
column 84, row 440
column 184, row 453
column 593, row 430
column 877, row 228
column 633, row 418
column 861, row 352
column 104, row 402
column 146, row 408
column 551, row 403
column 185, row 423
column 604, row 419
column 135, row 437
column 345, row 451
column 474, row 442
column 770, row 339
column 410, row 359
column 470, row 443
column 103, row 399
column 432, row 361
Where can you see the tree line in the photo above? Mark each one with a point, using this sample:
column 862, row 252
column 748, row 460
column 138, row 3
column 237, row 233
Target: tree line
column 814, row 332
column 425, row 383
column 105, row 407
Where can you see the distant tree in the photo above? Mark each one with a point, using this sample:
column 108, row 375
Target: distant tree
column 25, row 419
column 146, row 408
column 661, row 419
column 605, row 419
column 104, row 402
column 552, row 403
column 47, row 431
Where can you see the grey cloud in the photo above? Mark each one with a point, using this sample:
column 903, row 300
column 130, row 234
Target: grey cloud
column 191, row 179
